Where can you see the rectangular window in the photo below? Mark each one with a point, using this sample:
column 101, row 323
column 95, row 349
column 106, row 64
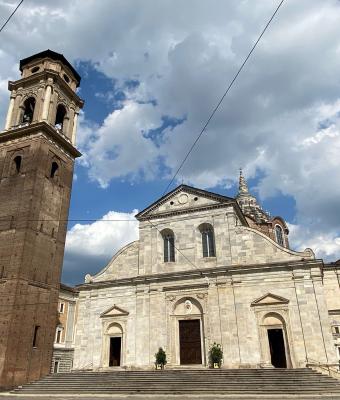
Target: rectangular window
column 169, row 249
column 58, row 335
column 211, row 245
column 56, row 367
column 61, row 308
column 208, row 243
column 205, row 244
column 336, row 330
column 35, row 336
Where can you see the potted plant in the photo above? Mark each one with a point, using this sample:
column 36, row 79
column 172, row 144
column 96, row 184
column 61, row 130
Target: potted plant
column 215, row 355
column 160, row 358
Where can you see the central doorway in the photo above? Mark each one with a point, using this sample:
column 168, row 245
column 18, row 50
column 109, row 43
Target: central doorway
column 277, row 348
column 115, row 350
column 190, row 341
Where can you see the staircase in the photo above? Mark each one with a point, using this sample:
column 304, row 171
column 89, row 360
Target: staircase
column 261, row 382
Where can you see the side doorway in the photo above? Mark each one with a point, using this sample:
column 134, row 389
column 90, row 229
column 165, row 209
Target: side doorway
column 115, row 351
column 275, row 342
column 113, row 346
column 277, row 347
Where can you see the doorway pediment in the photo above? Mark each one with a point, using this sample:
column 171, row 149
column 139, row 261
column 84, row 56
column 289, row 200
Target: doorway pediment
column 114, row 311
column 269, row 299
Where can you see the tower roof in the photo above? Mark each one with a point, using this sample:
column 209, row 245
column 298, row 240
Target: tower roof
column 242, row 187
column 54, row 56
column 248, row 202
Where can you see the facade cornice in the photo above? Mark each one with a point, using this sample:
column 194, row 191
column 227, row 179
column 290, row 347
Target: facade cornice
column 199, row 272
column 185, row 211
column 188, row 189
column 224, row 201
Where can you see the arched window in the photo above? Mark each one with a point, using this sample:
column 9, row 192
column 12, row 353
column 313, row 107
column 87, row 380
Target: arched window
column 208, row 240
column 279, row 235
column 169, row 245
column 29, row 105
column 17, row 164
column 60, row 116
column 54, row 170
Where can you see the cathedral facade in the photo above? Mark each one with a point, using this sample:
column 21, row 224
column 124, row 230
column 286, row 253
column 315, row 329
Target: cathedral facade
column 206, row 269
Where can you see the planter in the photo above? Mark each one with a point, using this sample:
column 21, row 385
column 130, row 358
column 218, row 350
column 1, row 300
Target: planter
column 216, row 365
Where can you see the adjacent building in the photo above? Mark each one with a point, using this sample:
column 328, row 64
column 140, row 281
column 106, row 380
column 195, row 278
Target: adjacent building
column 63, row 349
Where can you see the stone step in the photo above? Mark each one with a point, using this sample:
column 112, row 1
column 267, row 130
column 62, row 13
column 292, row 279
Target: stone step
column 193, row 381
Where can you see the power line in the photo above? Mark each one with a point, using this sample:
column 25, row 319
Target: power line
column 8, row 19
column 212, row 115
column 68, row 220
column 222, row 98
column 27, row 304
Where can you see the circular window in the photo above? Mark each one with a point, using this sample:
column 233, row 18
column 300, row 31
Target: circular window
column 195, row 198
column 34, row 70
column 172, row 203
column 183, row 198
column 66, row 78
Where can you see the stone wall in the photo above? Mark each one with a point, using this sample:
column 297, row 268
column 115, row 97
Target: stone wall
column 235, row 244
column 65, row 359
column 234, row 304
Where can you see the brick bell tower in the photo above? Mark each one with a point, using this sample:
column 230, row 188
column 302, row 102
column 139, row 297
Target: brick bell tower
column 37, row 153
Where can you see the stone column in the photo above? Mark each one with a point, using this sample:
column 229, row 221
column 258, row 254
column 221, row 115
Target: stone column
column 18, row 107
column 231, row 344
column 9, row 113
column 74, row 129
column 70, row 125
column 47, row 100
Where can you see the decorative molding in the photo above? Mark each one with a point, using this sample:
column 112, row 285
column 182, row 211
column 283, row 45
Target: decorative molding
column 269, row 299
column 188, row 190
column 113, row 312
column 184, row 211
column 227, row 270
column 186, row 287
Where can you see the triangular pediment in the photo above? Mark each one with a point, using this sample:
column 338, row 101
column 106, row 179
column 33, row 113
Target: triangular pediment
column 114, row 311
column 269, row 299
column 184, row 198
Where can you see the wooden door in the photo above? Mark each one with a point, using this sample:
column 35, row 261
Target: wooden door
column 190, row 341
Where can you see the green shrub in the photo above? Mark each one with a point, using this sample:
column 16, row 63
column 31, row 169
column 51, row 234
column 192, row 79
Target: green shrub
column 160, row 358
column 215, row 355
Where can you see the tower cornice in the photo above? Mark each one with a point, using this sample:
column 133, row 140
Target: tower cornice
column 44, row 75
column 43, row 127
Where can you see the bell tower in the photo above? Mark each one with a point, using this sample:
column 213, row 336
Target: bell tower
column 37, row 153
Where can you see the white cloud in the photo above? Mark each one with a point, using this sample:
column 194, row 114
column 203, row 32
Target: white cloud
column 184, row 53
column 325, row 245
column 103, row 237
column 120, row 147
column 89, row 247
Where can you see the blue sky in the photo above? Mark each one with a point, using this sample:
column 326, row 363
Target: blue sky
column 151, row 74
